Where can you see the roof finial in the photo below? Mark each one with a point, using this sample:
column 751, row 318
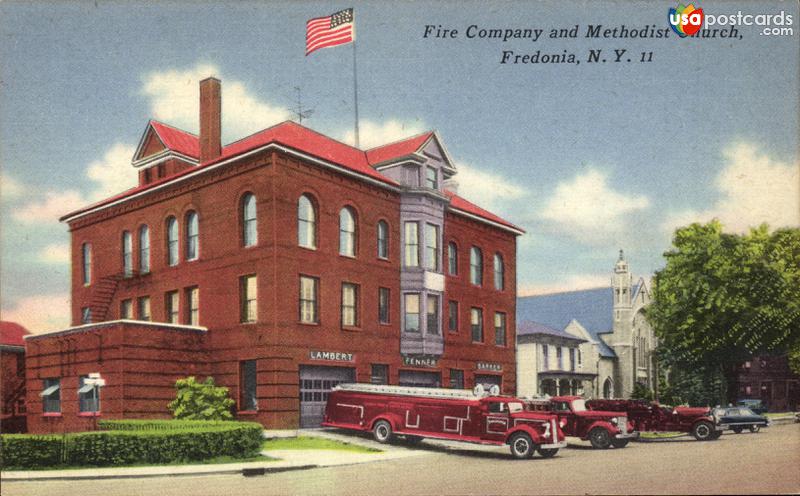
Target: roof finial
column 621, row 255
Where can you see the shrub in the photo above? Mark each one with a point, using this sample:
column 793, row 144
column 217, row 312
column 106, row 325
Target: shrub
column 201, row 400
column 142, row 442
column 22, row 450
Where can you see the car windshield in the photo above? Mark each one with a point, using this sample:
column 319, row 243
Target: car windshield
column 579, row 405
column 746, row 411
column 515, row 407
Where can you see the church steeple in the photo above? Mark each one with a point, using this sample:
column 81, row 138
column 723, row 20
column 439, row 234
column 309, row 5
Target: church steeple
column 621, row 283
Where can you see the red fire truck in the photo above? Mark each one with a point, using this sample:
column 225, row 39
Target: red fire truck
column 650, row 416
column 603, row 429
column 452, row 414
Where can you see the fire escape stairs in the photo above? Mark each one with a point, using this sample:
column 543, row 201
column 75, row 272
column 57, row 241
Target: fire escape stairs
column 102, row 296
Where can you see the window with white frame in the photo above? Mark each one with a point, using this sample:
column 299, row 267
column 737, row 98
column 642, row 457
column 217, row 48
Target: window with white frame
column 306, row 223
column 383, row 240
column 452, row 316
column 476, row 323
column 545, row 357
column 86, row 315
column 249, row 220
column 384, row 299
column 144, row 249
column 431, row 179
column 309, row 305
column 143, row 305
column 248, row 291
column 51, row 395
column 127, row 253
column 452, row 259
column 411, row 256
column 126, row 309
column 476, row 266
column 347, row 232
column 432, row 247
column 172, row 307
column 88, row 396
column 349, row 304
column 192, row 305
column 499, row 328
column 499, row 272
column 411, row 312
column 86, row 263
column 433, row 321
column 172, row 241
column 192, row 236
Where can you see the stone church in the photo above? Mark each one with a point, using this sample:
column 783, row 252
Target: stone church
column 612, row 341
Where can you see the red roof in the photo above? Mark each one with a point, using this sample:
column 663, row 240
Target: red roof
column 11, row 333
column 397, row 149
column 302, row 139
column 461, row 204
column 177, row 140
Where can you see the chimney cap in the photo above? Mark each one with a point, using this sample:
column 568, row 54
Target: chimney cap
column 211, row 77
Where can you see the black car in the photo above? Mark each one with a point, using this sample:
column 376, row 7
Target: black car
column 740, row 418
column 757, row 406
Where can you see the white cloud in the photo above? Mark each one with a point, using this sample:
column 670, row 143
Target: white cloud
column 10, row 188
column 174, row 98
column 753, row 188
column 53, row 205
column 486, row 188
column 372, row 134
column 570, row 283
column 55, row 254
column 113, row 173
column 590, row 210
column 41, row 313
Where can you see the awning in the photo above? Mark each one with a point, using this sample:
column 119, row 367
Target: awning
column 85, row 388
column 50, row 390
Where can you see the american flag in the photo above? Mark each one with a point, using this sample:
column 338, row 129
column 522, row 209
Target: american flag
column 335, row 29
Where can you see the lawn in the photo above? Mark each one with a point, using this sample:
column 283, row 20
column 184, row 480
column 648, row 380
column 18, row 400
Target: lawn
column 660, row 435
column 313, row 443
column 210, row 461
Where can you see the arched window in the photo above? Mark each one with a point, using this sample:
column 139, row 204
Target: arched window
column 249, row 222
column 144, row 249
column 347, row 232
column 383, row 239
column 306, row 223
column 499, row 272
column 127, row 253
column 86, row 263
column 476, row 266
column 172, row 241
column 608, row 388
column 452, row 259
column 192, row 236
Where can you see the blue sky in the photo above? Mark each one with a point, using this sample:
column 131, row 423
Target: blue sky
column 588, row 158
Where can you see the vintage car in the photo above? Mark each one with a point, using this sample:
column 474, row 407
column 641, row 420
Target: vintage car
column 757, row 406
column 740, row 418
column 452, row 414
column 650, row 416
column 602, row 429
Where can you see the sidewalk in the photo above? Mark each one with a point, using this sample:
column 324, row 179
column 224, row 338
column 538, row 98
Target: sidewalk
column 288, row 460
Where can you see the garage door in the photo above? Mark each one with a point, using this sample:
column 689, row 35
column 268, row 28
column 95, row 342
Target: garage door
column 417, row 378
column 315, row 385
column 489, row 380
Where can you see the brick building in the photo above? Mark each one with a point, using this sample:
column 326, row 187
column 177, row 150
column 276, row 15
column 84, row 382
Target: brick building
column 280, row 264
column 12, row 377
column 769, row 379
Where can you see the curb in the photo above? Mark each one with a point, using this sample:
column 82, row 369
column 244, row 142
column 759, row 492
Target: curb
column 246, row 472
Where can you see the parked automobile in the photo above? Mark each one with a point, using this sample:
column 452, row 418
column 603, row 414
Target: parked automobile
column 700, row 422
column 453, row 414
column 739, row 418
column 757, row 406
column 602, row 429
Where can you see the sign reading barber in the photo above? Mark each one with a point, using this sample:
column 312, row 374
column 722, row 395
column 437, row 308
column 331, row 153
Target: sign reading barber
column 331, row 356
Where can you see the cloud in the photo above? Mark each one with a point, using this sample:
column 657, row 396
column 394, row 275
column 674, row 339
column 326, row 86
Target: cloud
column 10, row 188
column 55, row 254
column 485, row 188
column 41, row 313
column 753, row 188
column 113, row 173
column 53, row 205
column 372, row 134
column 588, row 209
column 174, row 98
column 570, row 283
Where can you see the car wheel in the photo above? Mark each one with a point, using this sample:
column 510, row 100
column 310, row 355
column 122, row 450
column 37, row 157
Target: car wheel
column 413, row 439
column 703, row 431
column 600, row 438
column 521, row 446
column 382, row 431
column 619, row 443
column 548, row 453
column 755, row 428
column 737, row 430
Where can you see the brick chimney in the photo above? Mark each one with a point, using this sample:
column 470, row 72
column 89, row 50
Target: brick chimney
column 210, row 119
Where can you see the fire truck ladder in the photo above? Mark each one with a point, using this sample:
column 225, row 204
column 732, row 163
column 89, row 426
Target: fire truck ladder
column 465, row 394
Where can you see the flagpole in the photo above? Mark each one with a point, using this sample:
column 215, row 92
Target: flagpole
column 355, row 88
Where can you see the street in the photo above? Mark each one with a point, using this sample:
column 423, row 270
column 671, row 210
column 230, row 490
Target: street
column 767, row 462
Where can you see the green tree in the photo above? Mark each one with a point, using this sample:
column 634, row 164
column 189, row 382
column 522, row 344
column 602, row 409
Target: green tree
column 722, row 297
column 201, row 400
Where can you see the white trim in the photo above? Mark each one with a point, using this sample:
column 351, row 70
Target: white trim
column 357, row 407
column 409, row 425
column 485, row 221
column 163, row 157
column 108, row 323
column 202, row 170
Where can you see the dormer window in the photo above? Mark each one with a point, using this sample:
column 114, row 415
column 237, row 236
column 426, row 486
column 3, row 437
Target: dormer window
column 431, row 179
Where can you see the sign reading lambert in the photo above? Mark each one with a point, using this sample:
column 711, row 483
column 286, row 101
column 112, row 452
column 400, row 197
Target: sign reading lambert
column 496, row 367
column 331, row 356
column 420, row 361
